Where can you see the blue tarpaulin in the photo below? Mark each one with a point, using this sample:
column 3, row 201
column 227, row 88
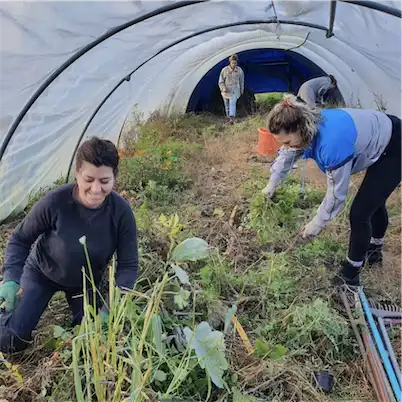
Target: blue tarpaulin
column 265, row 70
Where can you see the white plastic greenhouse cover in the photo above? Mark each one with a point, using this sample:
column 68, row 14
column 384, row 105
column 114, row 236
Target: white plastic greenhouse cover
column 38, row 37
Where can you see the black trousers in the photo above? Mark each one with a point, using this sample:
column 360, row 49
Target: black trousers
column 16, row 327
column 368, row 215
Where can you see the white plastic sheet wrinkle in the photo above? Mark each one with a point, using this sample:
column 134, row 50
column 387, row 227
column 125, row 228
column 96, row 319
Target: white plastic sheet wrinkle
column 37, row 37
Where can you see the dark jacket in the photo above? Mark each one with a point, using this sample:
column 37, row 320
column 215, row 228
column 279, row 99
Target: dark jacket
column 57, row 222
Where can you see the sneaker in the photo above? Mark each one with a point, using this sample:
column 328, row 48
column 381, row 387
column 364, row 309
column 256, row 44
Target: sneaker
column 347, row 275
column 374, row 255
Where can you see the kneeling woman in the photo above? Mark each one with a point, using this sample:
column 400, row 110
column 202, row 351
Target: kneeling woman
column 88, row 208
column 342, row 142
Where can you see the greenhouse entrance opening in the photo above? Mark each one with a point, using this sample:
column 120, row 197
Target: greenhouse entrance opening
column 265, row 70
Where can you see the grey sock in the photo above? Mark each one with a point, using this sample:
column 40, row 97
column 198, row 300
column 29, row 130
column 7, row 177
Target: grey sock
column 377, row 242
column 356, row 264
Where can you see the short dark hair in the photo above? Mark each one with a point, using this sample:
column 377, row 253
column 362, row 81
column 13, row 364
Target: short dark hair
column 98, row 152
column 333, row 79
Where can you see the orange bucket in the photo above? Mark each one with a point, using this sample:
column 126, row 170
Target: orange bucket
column 267, row 144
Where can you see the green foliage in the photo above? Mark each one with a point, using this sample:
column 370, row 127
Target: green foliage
column 181, row 298
column 309, row 327
column 193, row 249
column 252, row 124
column 266, row 101
column 160, row 195
column 145, row 347
column 255, row 183
column 171, row 226
column 264, row 350
column 278, row 218
column 158, row 165
column 181, row 274
column 323, row 250
column 187, row 127
column 152, row 165
column 239, row 397
column 312, row 321
column 34, row 197
column 216, row 276
column 209, row 347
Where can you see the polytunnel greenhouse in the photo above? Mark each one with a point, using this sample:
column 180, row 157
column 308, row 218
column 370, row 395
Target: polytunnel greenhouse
column 70, row 70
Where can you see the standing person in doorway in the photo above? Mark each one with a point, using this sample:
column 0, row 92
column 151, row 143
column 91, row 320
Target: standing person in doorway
column 55, row 228
column 342, row 142
column 231, row 84
column 313, row 91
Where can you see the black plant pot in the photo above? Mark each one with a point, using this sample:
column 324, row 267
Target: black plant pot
column 324, row 380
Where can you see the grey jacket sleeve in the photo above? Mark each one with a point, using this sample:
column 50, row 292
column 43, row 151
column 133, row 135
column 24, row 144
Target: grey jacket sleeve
column 283, row 164
column 337, row 189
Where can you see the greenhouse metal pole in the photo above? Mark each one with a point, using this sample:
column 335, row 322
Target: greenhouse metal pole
column 374, row 5
column 253, row 22
column 80, row 53
column 331, row 19
column 121, row 130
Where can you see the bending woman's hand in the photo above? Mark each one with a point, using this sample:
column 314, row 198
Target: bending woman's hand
column 268, row 191
column 311, row 230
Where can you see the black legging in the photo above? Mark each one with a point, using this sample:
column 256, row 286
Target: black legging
column 368, row 215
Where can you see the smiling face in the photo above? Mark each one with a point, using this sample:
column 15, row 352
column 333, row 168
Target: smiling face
column 94, row 184
column 289, row 140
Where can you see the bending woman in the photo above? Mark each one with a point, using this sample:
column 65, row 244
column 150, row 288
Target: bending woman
column 88, row 208
column 342, row 142
column 314, row 91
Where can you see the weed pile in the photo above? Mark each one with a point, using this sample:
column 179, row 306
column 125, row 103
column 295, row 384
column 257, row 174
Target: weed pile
column 227, row 308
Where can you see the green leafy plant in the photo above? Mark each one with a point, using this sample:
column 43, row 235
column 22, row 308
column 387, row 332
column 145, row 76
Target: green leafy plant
column 312, row 321
column 323, row 250
column 240, row 397
column 132, row 352
column 193, row 249
column 209, row 347
column 275, row 352
column 287, row 212
column 152, row 166
column 171, row 226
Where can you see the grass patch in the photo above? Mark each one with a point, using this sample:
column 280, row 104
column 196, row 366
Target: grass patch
column 266, row 101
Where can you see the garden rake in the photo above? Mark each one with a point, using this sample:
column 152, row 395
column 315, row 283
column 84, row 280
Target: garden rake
column 375, row 346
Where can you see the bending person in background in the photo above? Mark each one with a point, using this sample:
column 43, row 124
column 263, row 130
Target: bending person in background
column 88, row 208
column 231, row 84
column 342, row 142
column 315, row 90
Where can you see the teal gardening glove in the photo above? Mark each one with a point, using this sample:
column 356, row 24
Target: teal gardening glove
column 9, row 293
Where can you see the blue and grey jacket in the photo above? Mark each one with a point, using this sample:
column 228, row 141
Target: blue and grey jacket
column 347, row 141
